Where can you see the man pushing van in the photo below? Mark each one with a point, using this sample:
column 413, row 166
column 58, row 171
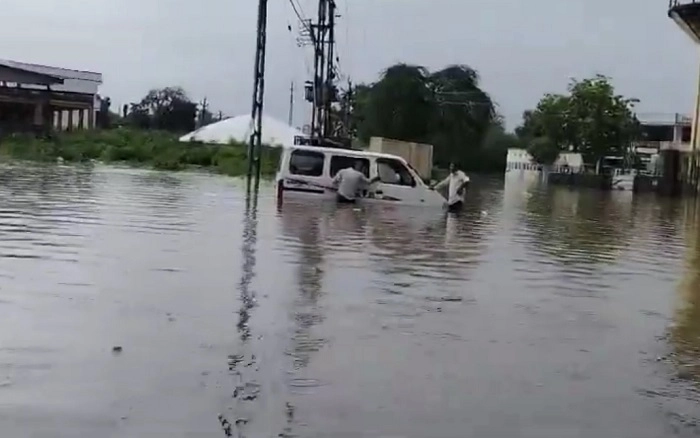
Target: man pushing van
column 456, row 182
column 350, row 181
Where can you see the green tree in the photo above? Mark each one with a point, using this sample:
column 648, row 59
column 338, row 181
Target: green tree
column 400, row 105
column 543, row 150
column 138, row 116
column 550, row 119
column 494, row 148
column 605, row 123
column 168, row 109
column 462, row 116
column 590, row 119
column 358, row 106
column 447, row 109
column 103, row 115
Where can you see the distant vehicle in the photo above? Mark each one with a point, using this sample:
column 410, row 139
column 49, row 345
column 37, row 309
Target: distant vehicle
column 309, row 171
column 622, row 175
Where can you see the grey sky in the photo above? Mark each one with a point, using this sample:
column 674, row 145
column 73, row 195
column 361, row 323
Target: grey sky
column 521, row 48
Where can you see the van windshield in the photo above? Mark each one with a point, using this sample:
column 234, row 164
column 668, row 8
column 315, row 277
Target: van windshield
column 415, row 172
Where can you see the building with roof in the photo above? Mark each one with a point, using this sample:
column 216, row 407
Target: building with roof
column 659, row 133
column 40, row 98
column 686, row 14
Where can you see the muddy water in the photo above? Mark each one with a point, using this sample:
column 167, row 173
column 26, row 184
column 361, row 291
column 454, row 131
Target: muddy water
column 535, row 313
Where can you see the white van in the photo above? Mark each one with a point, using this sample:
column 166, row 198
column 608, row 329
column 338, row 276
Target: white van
column 309, row 170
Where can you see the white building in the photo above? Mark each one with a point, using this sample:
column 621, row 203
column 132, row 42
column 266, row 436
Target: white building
column 520, row 159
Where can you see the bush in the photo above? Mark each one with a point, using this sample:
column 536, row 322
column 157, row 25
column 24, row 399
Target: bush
column 159, row 149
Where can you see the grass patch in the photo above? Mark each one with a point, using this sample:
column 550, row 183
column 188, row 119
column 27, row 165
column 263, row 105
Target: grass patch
column 156, row 149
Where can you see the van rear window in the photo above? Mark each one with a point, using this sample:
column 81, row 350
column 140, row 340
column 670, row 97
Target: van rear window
column 307, row 163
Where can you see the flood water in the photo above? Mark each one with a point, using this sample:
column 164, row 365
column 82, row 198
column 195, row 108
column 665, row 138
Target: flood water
column 534, row 313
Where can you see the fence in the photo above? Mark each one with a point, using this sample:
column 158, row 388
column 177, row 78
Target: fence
column 676, row 3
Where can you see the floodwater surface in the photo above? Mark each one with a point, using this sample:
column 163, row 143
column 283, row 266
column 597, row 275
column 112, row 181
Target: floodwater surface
column 137, row 303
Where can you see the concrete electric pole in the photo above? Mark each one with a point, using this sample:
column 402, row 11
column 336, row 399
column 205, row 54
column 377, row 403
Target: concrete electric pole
column 258, row 93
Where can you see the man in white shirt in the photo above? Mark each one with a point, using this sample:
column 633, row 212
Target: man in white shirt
column 349, row 181
column 457, row 182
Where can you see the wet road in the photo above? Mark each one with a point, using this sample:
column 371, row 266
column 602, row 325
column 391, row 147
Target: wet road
column 536, row 313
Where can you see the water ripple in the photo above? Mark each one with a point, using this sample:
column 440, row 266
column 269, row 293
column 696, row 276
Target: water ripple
column 550, row 309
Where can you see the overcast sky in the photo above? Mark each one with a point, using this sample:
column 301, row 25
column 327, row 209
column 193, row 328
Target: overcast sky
column 522, row 48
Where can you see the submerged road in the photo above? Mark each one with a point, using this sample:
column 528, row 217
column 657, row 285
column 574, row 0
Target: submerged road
column 137, row 303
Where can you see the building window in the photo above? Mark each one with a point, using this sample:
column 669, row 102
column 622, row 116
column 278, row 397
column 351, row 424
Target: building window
column 307, row 163
column 657, row 132
column 394, row 172
column 685, row 134
column 339, row 162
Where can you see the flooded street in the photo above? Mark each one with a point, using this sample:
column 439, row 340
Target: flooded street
column 535, row 313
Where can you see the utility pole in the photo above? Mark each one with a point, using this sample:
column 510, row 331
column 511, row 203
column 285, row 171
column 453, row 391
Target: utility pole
column 349, row 101
column 202, row 113
column 320, row 92
column 258, row 93
column 291, row 104
column 319, row 39
column 328, row 92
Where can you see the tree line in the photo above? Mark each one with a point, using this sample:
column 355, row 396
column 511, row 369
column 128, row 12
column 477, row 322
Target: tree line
column 450, row 110
column 165, row 109
column 590, row 119
column 447, row 108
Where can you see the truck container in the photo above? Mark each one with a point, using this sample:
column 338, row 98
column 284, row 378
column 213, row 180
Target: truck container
column 418, row 155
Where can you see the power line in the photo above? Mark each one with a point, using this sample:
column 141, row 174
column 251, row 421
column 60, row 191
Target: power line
column 301, row 9
column 296, row 11
column 300, row 15
column 299, row 41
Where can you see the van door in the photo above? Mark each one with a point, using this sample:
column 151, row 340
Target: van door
column 397, row 184
column 339, row 162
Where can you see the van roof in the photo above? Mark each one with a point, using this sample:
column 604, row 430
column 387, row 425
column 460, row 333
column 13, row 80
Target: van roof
column 347, row 152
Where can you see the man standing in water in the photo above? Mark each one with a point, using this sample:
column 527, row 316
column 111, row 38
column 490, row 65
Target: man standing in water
column 456, row 183
column 350, row 181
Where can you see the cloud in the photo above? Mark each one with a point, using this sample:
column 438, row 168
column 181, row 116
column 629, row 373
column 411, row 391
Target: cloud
column 522, row 49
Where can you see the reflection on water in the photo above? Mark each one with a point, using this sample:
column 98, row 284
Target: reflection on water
column 242, row 363
column 685, row 333
column 307, row 311
column 250, row 223
column 535, row 312
column 575, row 227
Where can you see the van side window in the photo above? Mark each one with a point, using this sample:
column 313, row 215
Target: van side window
column 394, row 172
column 307, row 163
column 340, row 162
